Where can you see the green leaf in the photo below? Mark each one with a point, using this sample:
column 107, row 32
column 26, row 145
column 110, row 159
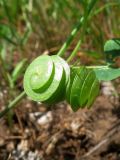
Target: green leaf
column 3, row 51
column 81, row 91
column 73, row 73
column 20, row 67
column 76, row 88
column 93, row 92
column 86, row 88
column 106, row 73
column 112, row 50
column 5, row 31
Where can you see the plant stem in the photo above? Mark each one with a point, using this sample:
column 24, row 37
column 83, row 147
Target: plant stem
column 87, row 12
column 70, row 38
column 72, row 55
column 4, row 71
column 74, row 52
column 91, row 67
column 76, row 29
column 12, row 104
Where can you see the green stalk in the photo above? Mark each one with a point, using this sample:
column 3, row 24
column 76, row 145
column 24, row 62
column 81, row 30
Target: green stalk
column 8, row 80
column 5, row 74
column 12, row 104
column 70, row 38
column 77, row 47
column 74, row 52
column 91, row 67
column 72, row 55
column 87, row 12
column 81, row 23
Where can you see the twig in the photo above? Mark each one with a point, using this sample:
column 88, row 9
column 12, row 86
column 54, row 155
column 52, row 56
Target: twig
column 19, row 121
column 50, row 144
column 107, row 138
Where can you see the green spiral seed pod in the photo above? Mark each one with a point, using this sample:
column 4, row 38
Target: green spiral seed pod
column 46, row 78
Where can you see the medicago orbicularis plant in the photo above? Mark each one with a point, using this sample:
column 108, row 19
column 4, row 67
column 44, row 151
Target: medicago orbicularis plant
column 49, row 79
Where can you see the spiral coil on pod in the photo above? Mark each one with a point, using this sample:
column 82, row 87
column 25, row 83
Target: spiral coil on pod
column 46, row 79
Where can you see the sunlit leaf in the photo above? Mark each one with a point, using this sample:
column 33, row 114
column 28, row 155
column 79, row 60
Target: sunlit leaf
column 81, row 91
column 107, row 73
column 112, row 50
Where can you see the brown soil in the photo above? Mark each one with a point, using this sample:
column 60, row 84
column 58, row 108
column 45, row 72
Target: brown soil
column 56, row 133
